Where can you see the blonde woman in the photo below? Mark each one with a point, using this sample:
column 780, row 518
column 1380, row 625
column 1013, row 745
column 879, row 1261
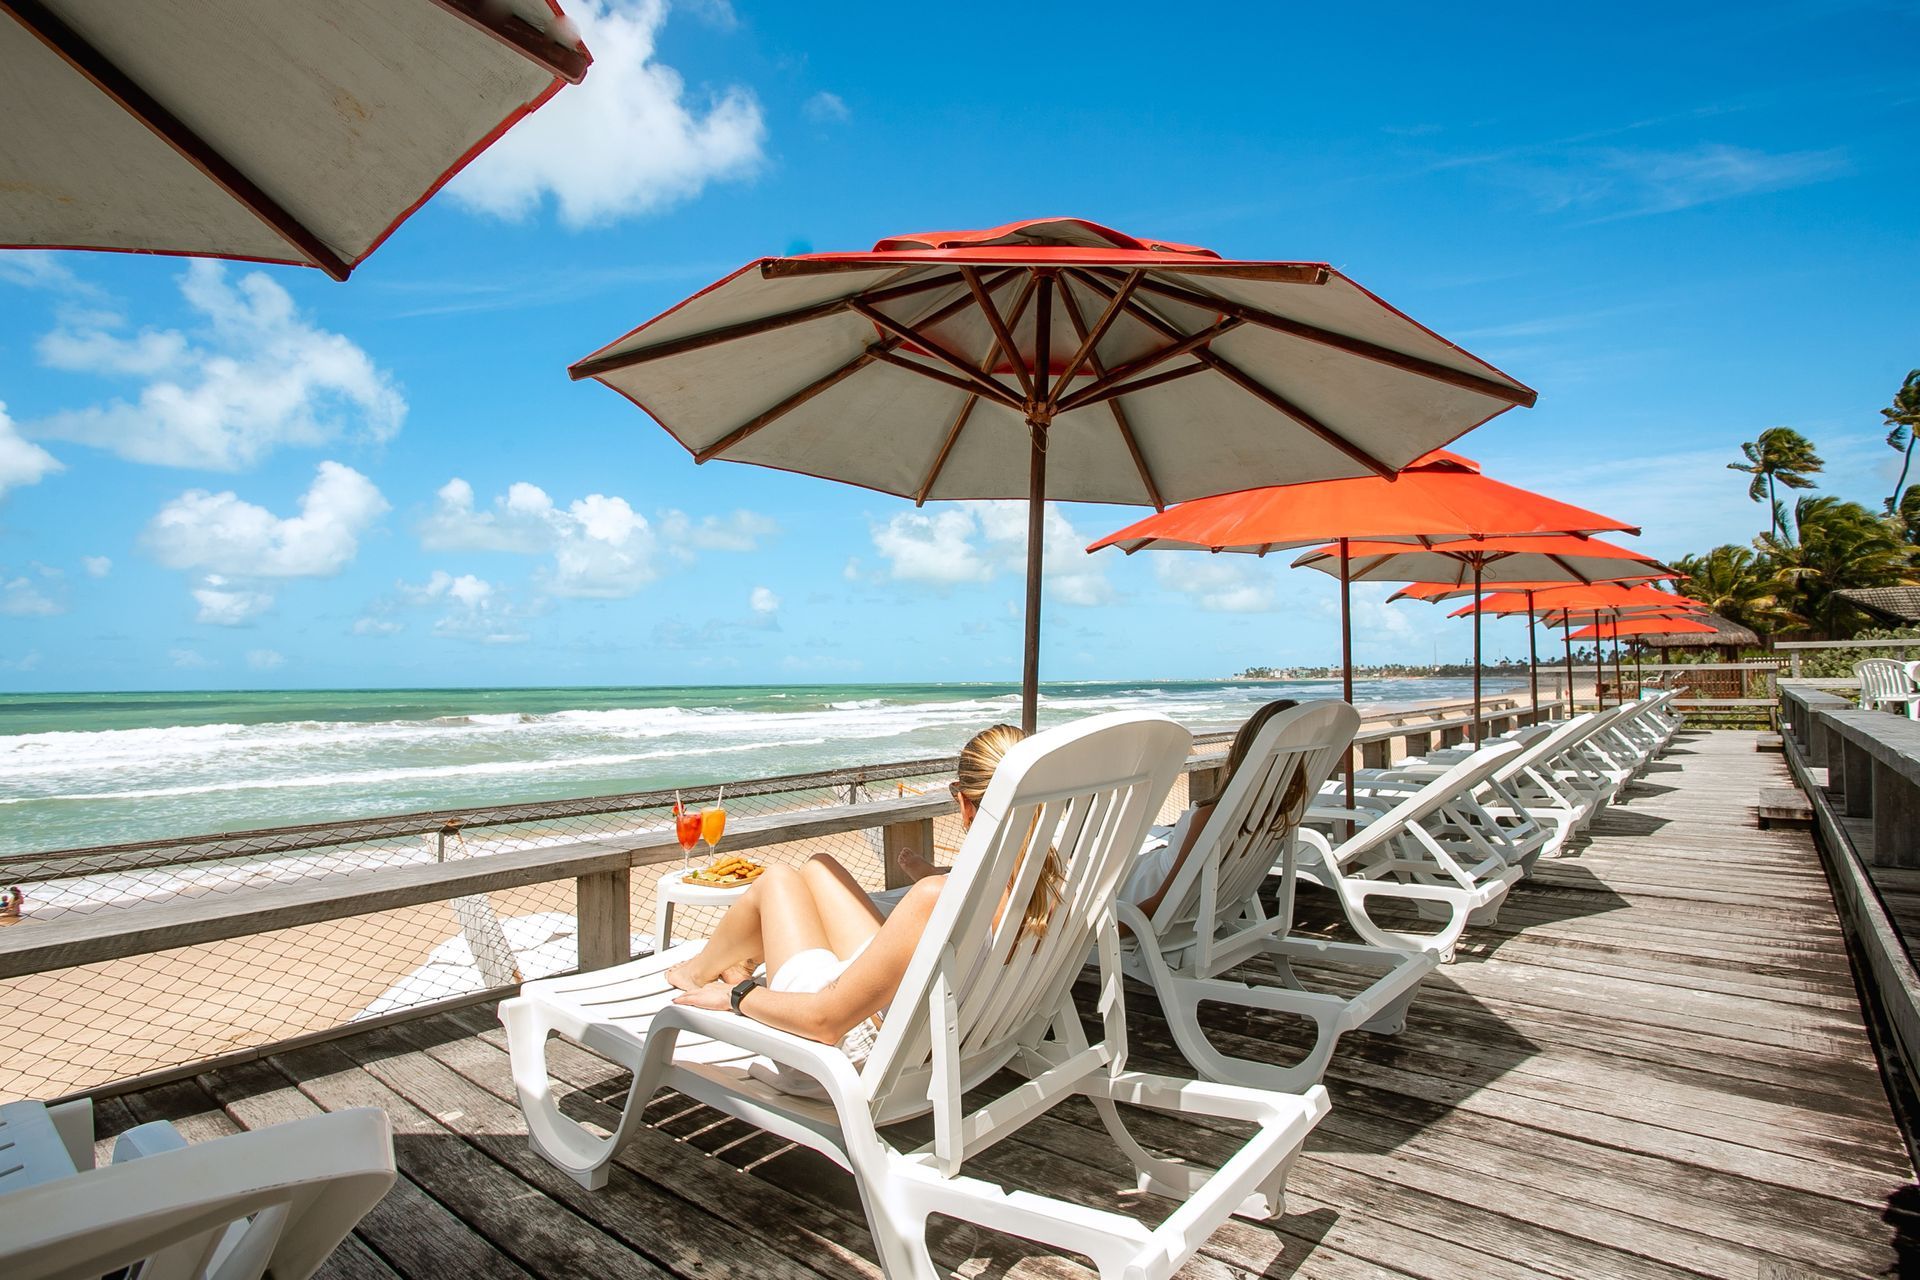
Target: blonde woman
column 832, row 961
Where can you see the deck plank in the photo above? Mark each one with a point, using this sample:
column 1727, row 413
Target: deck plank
column 1652, row 1065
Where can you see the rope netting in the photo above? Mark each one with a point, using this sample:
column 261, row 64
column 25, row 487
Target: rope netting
column 76, row 1028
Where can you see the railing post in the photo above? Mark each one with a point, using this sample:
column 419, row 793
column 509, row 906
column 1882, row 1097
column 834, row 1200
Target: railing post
column 916, row 835
column 603, row 906
column 1896, row 843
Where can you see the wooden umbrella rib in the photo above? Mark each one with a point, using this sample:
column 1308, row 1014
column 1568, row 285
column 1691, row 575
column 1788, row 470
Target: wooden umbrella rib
column 966, row 407
column 105, row 75
column 1125, row 427
column 792, row 402
column 1002, row 333
column 1274, row 400
column 894, row 358
column 595, row 366
column 569, row 62
column 969, row 377
column 1089, row 339
column 946, row 447
column 1343, row 342
column 1119, row 381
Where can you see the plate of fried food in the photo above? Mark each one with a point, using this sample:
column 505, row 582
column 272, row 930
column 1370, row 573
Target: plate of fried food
column 730, row 872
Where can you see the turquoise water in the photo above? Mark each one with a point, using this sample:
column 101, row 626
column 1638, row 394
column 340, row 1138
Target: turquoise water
column 105, row 768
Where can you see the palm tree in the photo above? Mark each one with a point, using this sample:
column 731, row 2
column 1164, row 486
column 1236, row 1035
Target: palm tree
column 1903, row 423
column 1781, row 456
column 1841, row 546
column 1738, row 585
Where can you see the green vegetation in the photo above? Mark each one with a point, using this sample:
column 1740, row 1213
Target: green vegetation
column 1786, row 582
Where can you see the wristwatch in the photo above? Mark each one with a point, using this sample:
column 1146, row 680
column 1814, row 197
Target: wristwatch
column 740, row 992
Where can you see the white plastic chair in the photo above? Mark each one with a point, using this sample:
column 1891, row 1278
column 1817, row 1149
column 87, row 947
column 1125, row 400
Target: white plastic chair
column 275, row 1202
column 1210, row 920
column 1885, row 686
column 1394, row 855
column 979, row 995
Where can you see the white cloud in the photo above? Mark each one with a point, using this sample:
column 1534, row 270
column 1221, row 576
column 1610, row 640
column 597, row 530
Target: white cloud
column 1623, row 182
column 601, row 547
column 221, row 533
column 189, row 660
column 25, row 662
column 763, row 601
column 224, row 603
column 469, row 609
column 21, row 461
column 265, row 659
column 737, row 531
column 21, row 597
column 827, row 108
column 38, row 269
column 96, row 566
column 625, row 141
column 1223, row 583
column 253, row 377
column 976, row 542
column 522, row 520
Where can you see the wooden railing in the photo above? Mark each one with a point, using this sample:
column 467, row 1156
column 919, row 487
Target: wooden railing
column 602, row 870
column 1796, row 650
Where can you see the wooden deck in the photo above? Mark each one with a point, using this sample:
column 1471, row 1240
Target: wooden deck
column 1654, row 1066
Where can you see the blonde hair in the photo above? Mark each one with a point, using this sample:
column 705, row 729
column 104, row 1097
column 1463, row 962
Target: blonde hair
column 1293, row 801
column 978, row 760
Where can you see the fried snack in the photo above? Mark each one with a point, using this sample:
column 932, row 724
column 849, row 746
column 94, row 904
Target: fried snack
column 729, row 872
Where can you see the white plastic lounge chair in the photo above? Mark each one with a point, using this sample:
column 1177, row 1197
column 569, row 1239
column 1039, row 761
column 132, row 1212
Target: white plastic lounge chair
column 1210, row 920
column 1884, row 686
column 977, row 997
column 1392, row 854
column 275, row 1202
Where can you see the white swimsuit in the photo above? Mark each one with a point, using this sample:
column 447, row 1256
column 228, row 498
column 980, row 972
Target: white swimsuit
column 808, row 972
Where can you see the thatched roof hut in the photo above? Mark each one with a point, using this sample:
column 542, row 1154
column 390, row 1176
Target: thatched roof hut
column 1726, row 634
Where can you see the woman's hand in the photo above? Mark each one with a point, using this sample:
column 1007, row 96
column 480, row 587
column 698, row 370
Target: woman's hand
column 715, row 995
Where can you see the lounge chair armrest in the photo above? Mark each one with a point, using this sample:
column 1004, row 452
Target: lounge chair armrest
column 815, row 1059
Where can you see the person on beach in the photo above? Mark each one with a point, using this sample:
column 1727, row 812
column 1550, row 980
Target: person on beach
column 13, row 905
column 833, row 961
column 1166, row 848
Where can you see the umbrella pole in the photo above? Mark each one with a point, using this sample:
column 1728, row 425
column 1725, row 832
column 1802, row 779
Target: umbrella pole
column 1036, row 555
column 1566, row 638
column 1346, row 655
column 1476, row 652
column 1619, row 683
column 1599, row 664
column 1533, row 658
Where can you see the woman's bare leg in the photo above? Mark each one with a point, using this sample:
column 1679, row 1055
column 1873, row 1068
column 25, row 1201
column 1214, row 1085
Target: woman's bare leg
column 779, row 905
column 846, row 913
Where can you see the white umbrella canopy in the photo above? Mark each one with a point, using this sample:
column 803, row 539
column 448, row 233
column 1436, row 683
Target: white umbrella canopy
column 1049, row 359
column 280, row 131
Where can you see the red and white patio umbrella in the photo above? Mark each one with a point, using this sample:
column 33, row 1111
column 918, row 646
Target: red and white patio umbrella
column 270, row 130
column 1439, row 498
column 1049, row 359
column 1480, row 560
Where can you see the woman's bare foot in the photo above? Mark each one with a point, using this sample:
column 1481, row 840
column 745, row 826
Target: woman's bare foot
column 687, row 976
column 913, row 866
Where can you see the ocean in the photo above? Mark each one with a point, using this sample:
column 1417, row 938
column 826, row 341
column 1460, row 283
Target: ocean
column 107, row 768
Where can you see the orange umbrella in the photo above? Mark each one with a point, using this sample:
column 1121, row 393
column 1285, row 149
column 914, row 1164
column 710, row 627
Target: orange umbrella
column 1440, row 497
column 1556, row 606
column 1579, row 560
column 1671, row 625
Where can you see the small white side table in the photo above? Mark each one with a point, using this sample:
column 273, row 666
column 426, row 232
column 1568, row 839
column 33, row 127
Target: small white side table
column 674, row 889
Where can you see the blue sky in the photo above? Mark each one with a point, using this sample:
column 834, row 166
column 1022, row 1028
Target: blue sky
column 1680, row 226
